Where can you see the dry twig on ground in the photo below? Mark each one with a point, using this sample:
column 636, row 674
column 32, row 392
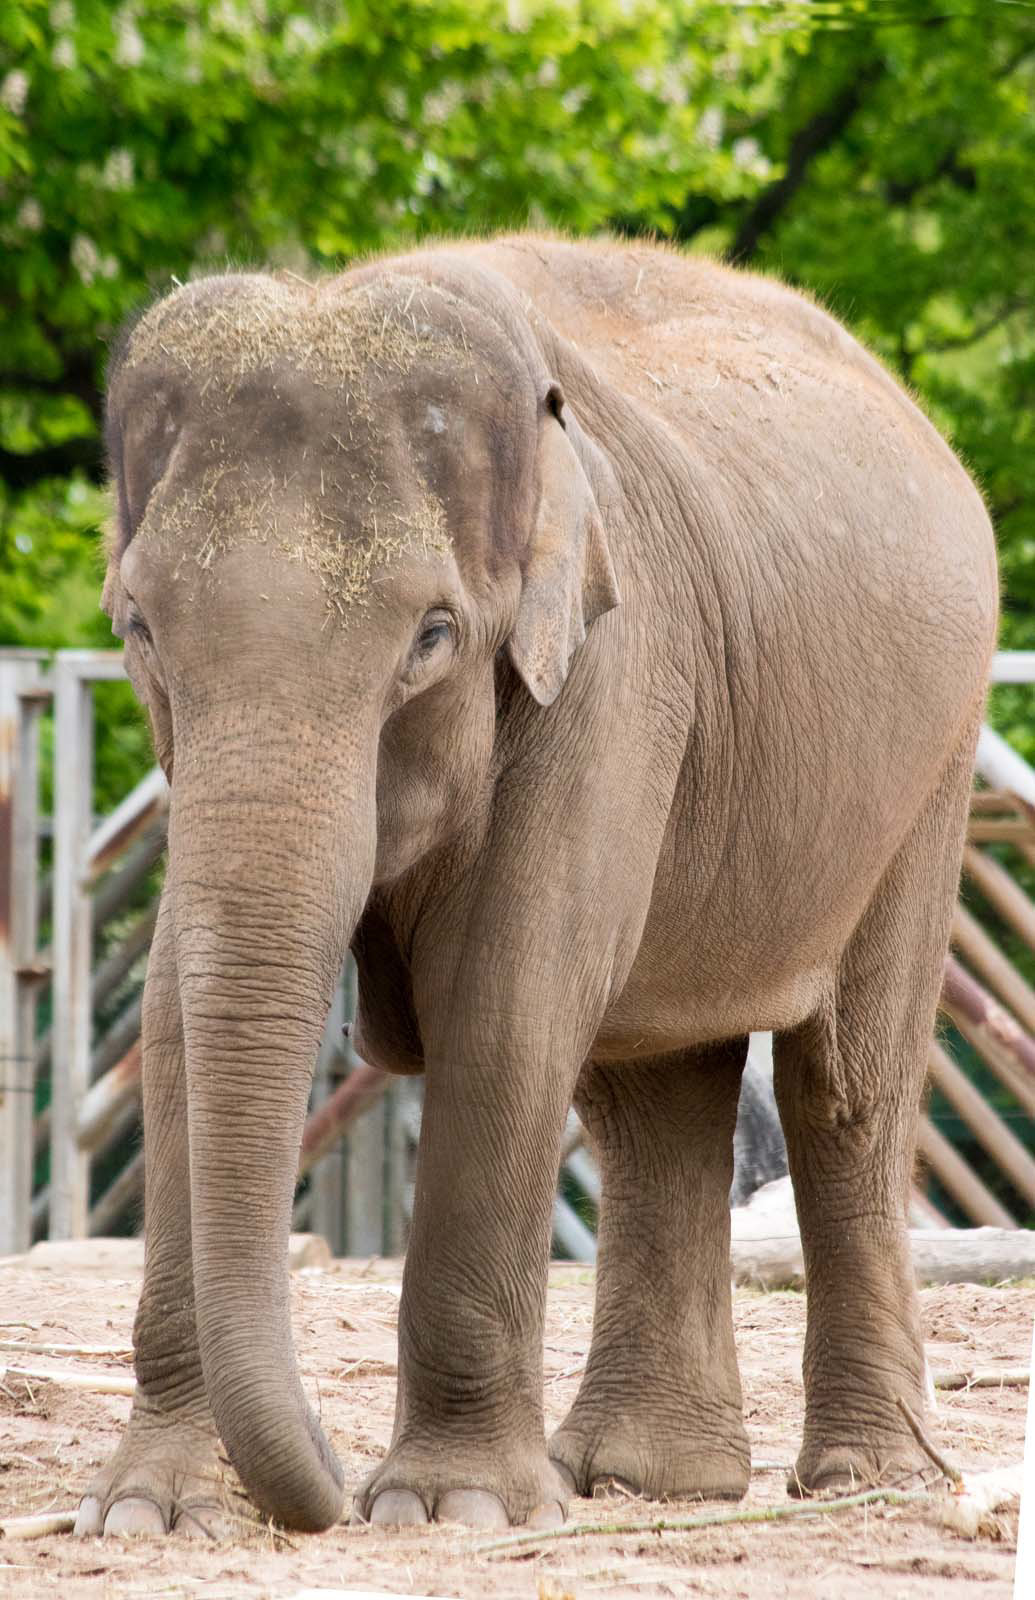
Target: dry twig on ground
column 711, row 1519
column 1008, row 1378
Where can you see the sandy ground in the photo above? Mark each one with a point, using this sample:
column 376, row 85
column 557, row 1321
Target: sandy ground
column 51, row 1439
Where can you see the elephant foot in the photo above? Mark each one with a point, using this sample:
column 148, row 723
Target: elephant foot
column 165, row 1477
column 654, row 1463
column 420, row 1483
column 850, row 1469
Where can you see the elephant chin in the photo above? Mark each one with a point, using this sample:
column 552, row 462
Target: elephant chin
column 261, row 934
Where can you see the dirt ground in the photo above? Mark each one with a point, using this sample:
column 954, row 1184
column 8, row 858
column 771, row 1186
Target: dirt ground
column 51, row 1439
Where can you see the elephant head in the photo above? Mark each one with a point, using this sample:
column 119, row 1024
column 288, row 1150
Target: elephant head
column 338, row 507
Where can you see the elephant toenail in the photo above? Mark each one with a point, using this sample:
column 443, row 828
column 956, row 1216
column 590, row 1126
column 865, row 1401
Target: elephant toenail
column 136, row 1517
column 549, row 1515
column 399, row 1508
column 88, row 1522
column 475, row 1508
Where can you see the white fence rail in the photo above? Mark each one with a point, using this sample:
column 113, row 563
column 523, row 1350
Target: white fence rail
column 359, row 1187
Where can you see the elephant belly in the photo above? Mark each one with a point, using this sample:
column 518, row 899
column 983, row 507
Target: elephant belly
column 742, row 939
column 657, row 1014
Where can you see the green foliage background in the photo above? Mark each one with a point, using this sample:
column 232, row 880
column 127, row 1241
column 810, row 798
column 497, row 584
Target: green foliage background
column 878, row 152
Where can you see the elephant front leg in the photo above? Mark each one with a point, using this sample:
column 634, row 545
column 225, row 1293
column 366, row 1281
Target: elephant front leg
column 659, row 1408
column 166, row 1472
column 469, row 1442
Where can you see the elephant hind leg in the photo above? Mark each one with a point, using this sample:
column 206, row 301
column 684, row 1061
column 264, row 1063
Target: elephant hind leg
column 849, row 1084
column 659, row 1409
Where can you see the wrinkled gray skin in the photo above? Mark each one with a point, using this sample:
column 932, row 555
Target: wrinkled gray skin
column 596, row 639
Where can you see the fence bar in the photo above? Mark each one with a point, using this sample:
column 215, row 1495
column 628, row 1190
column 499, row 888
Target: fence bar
column 104, row 1104
column 73, row 918
column 998, row 1039
column 21, row 696
column 362, row 1089
column 116, row 966
column 1000, row 830
column 1013, row 666
column 93, row 666
column 15, row 1072
column 365, row 1169
column 395, row 1169
column 988, row 961
column 142, row 806
column 118, row 1039
column 991, row 803
column 581, row 1166
column 1003, row 768
column 571, row 1232
column 34, row 967
column 961, row 1181
column 1001, row 892
column 987, row 1126
column 117, row 888
column 124, row 1191
column 325, row 1213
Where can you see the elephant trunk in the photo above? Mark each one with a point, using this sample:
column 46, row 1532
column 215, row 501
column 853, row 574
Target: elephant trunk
column 271, row 873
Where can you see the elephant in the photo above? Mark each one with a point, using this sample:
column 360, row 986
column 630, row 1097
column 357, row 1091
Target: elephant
column 594, row 638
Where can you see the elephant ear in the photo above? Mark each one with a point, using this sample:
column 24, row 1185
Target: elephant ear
column 568, row 579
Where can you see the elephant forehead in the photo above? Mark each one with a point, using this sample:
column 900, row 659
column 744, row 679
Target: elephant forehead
column 190, row 528
column 221, row 331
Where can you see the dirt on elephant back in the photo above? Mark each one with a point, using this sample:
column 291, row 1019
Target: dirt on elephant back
column 52, row 1438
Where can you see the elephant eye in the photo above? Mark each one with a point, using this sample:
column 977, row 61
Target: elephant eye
column 136, row 626
column 437, row 629
column 437, row 626
column 432, row 634
column 133, row 626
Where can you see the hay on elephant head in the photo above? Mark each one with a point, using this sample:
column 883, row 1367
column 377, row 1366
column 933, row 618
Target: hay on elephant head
column 231, row 507
column 220, row 331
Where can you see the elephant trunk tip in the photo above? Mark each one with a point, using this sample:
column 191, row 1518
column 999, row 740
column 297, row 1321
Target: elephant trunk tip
column 285, row 1464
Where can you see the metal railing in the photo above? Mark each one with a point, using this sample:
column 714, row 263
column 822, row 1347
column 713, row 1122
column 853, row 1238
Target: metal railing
column 96, row 871
column 22, row 698
column 984, row 995
column 70, row 1160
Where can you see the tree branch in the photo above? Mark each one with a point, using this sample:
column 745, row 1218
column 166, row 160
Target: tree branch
column 816, row 137
column 979, row 331
column 963, row 176
column 900, row 194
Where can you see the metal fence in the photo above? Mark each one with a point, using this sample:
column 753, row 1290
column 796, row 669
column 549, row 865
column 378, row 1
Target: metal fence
column 74, row 934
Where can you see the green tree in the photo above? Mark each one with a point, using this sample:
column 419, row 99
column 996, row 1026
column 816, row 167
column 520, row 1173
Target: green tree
column 876, row 151
column 902, row 149
column 154, row 140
